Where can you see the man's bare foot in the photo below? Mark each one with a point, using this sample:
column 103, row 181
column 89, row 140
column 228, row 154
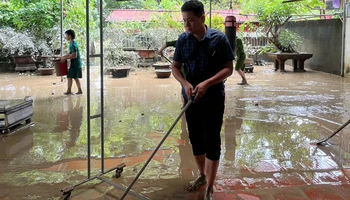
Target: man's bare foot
column 67, row 93
column 243, row 83
column 196, row 184
column 79, row 91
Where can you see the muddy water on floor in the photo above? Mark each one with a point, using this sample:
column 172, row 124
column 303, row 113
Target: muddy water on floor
column 266, row 135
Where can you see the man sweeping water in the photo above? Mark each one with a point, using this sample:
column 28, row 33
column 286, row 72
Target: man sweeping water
column 207, row 57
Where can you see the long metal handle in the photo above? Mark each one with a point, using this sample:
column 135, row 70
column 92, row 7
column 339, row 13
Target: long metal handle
column 156, row 149
column 102, row 88
column 335, row 132
column 88, row 90
column 167, row 59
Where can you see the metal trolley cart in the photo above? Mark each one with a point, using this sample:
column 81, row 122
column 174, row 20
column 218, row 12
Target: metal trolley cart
column 14, row 112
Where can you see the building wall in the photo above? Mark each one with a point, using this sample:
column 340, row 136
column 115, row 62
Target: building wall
column 322, row 38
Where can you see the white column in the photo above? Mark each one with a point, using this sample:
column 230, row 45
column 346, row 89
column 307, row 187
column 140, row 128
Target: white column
column 347, row 43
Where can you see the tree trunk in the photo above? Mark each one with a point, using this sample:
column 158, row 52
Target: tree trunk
column 279, row 46
column 275, row 32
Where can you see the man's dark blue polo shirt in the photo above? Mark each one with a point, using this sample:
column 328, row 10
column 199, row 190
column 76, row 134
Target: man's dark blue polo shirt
column 203, row 59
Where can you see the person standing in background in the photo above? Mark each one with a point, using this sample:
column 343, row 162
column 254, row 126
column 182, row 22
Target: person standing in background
column 75, row 71
column 240, row 63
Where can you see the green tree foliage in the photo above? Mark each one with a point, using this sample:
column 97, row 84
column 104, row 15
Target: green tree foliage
column 219, row 4
column 217, row 22
column 75, row 18
column 35, row 16
column 167, row 19
column 30, row 19
column 124, row 4
column 41, row 18
column 274, row 14
column 6, row 16
column 38, row 18
column 162, row 5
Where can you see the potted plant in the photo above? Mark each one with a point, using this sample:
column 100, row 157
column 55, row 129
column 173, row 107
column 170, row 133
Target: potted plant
column 146, row 49
column 149, row 40
column 272, row 16
column 46, row 67
column 19, row 47
column 119, row 62
column 163, row 73
column 43, row 58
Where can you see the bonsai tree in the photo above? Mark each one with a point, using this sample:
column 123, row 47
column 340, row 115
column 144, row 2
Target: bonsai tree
column 272, row 15
column 115, row 56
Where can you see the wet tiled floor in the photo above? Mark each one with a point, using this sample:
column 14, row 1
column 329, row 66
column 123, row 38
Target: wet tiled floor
column 268, row 136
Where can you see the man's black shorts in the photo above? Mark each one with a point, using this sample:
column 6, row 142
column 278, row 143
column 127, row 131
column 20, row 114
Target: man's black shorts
column 204, row 121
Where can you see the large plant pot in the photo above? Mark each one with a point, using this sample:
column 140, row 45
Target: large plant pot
column 43, row 60
column 23, row 59
column 60, row 68
column 249, row 61
column 7, row 67
column 163, row 73
column 24, row 63
column 146, row 53
column 120, row 72
column 46, row 71
column 165, row 66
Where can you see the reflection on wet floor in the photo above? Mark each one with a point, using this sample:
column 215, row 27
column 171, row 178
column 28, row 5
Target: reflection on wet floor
column 266, row 135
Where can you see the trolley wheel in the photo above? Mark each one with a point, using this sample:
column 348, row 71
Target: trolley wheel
column 67, row 195
column 118, row 172
column 67, row 191
column 28, row 121
column 5, row 131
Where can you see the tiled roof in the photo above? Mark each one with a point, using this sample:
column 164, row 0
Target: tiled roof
column 147, row 15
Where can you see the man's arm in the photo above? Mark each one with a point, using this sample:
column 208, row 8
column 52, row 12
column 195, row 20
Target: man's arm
column 167, row 44
column 171, row 43
column 69, row 56
column 72, row 55
column 176, row 71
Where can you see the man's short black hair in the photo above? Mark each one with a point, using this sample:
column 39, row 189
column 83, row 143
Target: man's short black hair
column 71, row 33
column 194, row 6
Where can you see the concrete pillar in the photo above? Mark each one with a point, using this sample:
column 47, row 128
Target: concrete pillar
column 347, row 43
